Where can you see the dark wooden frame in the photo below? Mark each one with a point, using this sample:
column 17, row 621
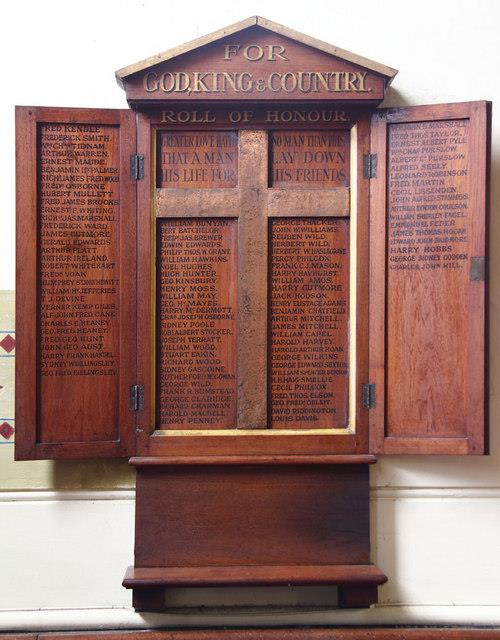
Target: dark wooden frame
column 149, row 444
column 27, row 446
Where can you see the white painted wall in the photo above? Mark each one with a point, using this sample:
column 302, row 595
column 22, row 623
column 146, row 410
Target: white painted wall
column 66, row 530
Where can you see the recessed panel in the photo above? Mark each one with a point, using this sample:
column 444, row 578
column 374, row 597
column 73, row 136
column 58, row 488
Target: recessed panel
column 79, row 284
column 197, row 159
column 310, row 158
column 309, row 310
column 429, row 235
column 196, row 323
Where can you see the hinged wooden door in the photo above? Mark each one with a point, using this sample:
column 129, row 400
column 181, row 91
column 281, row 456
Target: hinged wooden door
column 76, row 283
column 428, row 303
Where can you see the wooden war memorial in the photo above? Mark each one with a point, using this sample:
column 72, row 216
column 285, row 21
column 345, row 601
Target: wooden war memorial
column 251, row 283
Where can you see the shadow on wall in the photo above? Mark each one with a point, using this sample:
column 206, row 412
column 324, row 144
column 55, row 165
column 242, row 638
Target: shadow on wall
column 394, row 98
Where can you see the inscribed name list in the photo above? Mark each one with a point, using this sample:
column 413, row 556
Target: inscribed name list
column 196, row 311
column 78, row 275
column 309, row 307
column 429, row 231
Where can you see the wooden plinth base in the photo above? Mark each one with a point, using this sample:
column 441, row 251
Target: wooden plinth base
column 357, row 583
column 218, row 524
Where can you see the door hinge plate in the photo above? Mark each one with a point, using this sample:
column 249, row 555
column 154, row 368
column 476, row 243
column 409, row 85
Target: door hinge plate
column 370, row 165
column 136, row 398
column 368, row 394
column 136, row 167
column 477, row 268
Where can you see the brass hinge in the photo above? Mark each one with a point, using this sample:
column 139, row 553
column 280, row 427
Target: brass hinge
column 136, row 397
column 370, row 165
column 136, row 167
column 368, row 393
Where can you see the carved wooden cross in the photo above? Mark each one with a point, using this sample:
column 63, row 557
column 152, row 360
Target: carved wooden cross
column 253, row 202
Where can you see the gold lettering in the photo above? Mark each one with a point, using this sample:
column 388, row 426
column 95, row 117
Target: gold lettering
column 198, row 82
column 245, row 82
column 147, row 84
column 286, row 85
column 362, row 78
column 272, row 116
column 168, row 116
column 270, row 81
column 182, row 82
column 323, row 80
column 259, row 55
column 255, row 52
column 335, row 76
column 184, row 117
column 303, row 115
column 240, row 116
column 350, row 81
column 163, row 84
column 230, row 49
column 228, row 79
column 276, row 51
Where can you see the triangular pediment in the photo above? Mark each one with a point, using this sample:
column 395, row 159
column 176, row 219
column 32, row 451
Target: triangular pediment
column 256, row 59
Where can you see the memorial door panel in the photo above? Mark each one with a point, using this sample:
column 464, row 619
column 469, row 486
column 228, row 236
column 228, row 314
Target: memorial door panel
column 76, row 283
column 428, row 341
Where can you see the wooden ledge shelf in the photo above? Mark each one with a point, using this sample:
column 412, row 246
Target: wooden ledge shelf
column 357, row 583
column 367, row 574
column 157, row 461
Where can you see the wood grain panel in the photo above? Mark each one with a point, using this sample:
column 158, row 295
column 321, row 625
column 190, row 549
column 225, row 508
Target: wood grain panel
column 252, row 282
column 309, row 311
column 213, row 515
column 196, row 323
column 196, row 203
column 292, row 202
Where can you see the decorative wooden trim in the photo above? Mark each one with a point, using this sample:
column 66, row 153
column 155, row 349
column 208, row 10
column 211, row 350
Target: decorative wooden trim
column 247, row 575
column 175, row 52
column 240, row 460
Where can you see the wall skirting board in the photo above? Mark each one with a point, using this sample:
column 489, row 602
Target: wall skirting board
column 286, row 633
column 48, row 538
column 376, row 494
column 126, row 618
